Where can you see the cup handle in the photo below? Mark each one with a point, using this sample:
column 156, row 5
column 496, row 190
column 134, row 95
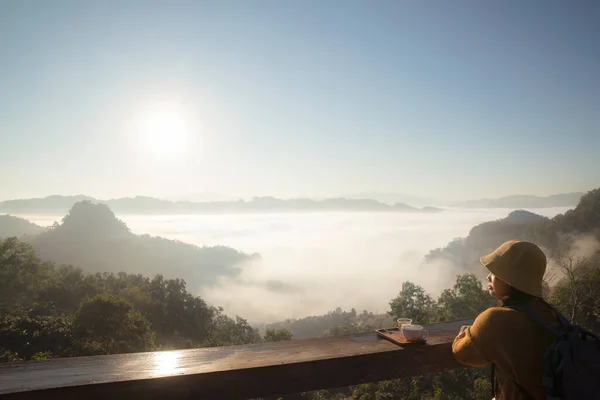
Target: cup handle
column 425, row 334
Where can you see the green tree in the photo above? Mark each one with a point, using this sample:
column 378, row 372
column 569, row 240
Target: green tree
column 177, row 316
column 227, row 331
column 466, row 299
column 19, row 274
column 66, row 286
column 276, row 335
column 107, row 324
column 26, row 332
column 412, row 302
column 348, row 329
column 43, row 355
column 577, row 294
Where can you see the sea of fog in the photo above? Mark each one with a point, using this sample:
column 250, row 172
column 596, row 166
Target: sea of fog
column 312, row 263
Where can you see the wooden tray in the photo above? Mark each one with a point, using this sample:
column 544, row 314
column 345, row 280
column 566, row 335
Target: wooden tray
column 395, row 336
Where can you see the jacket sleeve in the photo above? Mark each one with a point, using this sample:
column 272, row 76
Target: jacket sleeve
column 475, row 347
column 466, row 352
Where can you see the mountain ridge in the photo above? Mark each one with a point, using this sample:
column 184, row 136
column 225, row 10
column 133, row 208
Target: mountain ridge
column 525, row 201
column 152, row 205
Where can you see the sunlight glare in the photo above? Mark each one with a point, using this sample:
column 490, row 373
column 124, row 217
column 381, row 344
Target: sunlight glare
column 165, row 363
column 164, row 134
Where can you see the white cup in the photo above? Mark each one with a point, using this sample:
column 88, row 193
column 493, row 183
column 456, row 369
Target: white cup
column 414, row 333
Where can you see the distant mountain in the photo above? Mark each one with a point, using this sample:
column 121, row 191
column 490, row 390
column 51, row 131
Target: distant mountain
column 485, row 237
column 14, row 226
column 525, row 201
column 151, row 205
column 203, row 197
column 91, row 237
column 522, row 216
column 54, row 203
column 392, row 198
column 367, row 202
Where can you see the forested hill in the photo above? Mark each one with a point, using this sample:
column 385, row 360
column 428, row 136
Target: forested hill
column 337, row 322
column 14, row 226
column 552, row 234
column 90, row 236
column 50, row 311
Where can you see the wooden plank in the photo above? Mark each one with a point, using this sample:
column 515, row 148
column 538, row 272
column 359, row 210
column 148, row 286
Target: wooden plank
column 247, row 371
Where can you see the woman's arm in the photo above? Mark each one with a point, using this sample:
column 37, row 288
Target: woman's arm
column 465, row 349
column 474, row 344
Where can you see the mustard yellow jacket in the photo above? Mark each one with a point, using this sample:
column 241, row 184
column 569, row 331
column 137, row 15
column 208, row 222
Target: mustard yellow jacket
column 512, row 341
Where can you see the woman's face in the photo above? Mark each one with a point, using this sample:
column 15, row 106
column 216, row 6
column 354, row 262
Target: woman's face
column 497, row 287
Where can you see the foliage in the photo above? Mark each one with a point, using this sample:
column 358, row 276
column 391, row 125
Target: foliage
column 56, row 311
column 577, row 294
column 465, row 300
column 19, row 272
column 276, row 335
column 584, row 218
column 107, row 324
column 229, row 331
column 9, row 356
column 412, row 302
column 467, row 383
column 336, row 321
column 44, row 355
column 26, row 333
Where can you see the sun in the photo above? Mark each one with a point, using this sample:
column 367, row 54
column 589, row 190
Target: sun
column 163, row 133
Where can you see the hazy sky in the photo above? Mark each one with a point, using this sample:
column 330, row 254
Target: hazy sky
column 461, row 99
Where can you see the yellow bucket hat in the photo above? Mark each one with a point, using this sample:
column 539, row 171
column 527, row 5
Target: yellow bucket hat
column 520, row 264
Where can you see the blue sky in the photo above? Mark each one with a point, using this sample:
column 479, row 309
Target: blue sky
column 462, row 99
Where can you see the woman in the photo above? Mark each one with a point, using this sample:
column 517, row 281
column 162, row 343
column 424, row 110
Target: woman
column 509, row 339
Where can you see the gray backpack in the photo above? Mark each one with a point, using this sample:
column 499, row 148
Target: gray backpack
column 571, row 362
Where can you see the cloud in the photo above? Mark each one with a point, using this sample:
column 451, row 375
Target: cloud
column 312, row 263
column 585, row 245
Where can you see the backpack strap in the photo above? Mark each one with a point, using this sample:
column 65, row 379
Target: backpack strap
column 561, row 318
column 555, row 332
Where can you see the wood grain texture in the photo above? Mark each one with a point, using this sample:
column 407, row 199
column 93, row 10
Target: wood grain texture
column 246, row 371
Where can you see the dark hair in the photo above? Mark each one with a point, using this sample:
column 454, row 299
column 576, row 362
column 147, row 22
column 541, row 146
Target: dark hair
column 516, row 297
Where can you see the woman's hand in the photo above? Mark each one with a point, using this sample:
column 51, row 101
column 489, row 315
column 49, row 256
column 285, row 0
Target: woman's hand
column 462, row 333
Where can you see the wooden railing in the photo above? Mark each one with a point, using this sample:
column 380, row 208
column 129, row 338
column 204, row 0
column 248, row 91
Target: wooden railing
column 248, row 371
